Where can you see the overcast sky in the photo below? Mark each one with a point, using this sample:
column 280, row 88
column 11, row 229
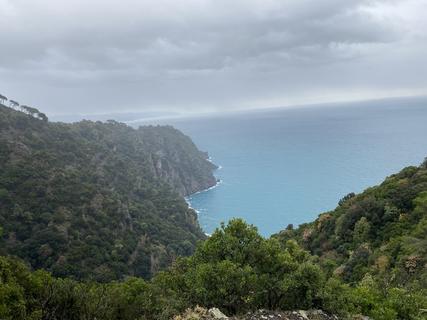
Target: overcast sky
column 101, row 56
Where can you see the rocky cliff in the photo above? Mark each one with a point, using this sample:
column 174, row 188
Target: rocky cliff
column 176, row 160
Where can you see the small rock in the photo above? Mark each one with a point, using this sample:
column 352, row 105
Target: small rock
column 217, row 314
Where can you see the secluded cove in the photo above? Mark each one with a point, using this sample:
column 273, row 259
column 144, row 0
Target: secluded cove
column 286, row 166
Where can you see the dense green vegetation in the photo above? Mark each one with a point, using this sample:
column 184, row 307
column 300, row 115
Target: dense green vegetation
column 382, row 231
column 88, row 203
column 236, row 270
column 94, row 200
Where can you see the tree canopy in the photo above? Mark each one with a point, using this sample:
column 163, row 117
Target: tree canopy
column 96, row 200
column 235, row 270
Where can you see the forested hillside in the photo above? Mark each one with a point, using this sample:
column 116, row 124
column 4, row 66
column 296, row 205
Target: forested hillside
column 381, row 232
column 94, row 200
column 235, row 270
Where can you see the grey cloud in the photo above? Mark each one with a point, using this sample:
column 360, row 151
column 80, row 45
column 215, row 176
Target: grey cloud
column 197, row 55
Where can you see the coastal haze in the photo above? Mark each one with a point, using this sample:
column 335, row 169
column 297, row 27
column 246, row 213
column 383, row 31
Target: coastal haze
column 287, row 166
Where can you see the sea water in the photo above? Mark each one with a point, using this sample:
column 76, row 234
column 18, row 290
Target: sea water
column 286, row 166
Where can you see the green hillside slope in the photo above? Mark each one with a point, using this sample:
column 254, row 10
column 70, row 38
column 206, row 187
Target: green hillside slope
column 381, row 232
column 103, row 201
column 97, row 200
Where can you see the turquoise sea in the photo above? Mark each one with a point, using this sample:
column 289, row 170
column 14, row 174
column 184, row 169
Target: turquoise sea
column 286, row 166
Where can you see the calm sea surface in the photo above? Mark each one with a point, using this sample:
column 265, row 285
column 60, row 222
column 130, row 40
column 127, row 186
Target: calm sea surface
column 289, row 165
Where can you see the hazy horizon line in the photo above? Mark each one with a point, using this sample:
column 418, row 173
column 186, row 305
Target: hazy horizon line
column 174, row 115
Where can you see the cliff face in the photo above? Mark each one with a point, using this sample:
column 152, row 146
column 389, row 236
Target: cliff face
column 176, row 160
column 97, row 200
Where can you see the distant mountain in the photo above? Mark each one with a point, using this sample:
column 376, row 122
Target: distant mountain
column 381, row 232
column 95, row 200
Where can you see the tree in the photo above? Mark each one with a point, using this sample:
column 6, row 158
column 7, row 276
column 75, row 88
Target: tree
column 3, row 99
column 34, row 112
column 251, row 271
column 42, row 116
column 346, row 197
column 361, row 231
column 29, row 110
column 13, row 104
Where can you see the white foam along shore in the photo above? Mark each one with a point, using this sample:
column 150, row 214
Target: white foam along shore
column 188, row 198
column 218, row 182
column 219, row 167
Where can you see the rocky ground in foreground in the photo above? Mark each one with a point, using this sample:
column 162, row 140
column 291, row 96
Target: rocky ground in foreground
column 215, row 314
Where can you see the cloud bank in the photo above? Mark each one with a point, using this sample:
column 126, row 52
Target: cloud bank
column 96, row 56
